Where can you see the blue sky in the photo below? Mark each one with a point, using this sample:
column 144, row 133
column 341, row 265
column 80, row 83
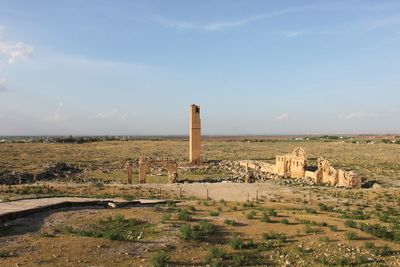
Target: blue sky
column 255, row 67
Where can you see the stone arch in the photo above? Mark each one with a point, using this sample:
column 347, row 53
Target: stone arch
column 170, row 165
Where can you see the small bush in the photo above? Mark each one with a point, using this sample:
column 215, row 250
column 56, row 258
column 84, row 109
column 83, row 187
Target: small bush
column 333, row 228
column 378, row 251
column 351, row 235
column 350, row 223
column 214, row 255
column 311, row 211
column 265, row 217
column 184, row 215
column 251, row 214
column 238, row 260
column 274, row 236
column 272, row 212
column 324, row 207
column 248, row 204
column 236, row 242
column 214, row 213
column 231, row 222
column 284, row 221
column 159, row 259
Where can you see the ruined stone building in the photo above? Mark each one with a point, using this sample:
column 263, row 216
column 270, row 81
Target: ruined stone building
column 294, row 165
column 195, row 136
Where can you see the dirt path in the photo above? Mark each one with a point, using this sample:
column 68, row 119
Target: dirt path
column 226, row 191
column 19, row 208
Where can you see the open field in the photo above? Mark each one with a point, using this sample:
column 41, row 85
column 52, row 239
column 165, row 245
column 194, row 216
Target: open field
column 106, row 160
column 204, row 224
column 286, row 226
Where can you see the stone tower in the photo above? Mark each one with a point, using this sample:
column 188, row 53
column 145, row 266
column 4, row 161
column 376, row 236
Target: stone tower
column 195, row 135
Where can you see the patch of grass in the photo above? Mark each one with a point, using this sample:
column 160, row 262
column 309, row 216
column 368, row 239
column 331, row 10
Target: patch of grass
column 165, row 217
column 214, row 256
column 113, row 228
column 324, row 207
column 196, row 231
column 311, row 211
column 272, row 212
column 350, row 223
column 248, row 204
column 159, row 259
column 238, row 260
column 251, row 214
column 184, row 215
column 214, row 213
column 378, row 251
column 333, row 228
column 380, row 231
column 236, row 242
column 265, row 217
column 284, row 221
column 231, row 222
column 274, row 236
column 351, row 235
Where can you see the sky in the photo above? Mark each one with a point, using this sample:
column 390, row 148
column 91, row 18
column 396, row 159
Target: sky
column 255, row 67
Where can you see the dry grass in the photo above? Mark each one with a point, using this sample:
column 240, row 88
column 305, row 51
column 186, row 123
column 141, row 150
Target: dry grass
column 107, row 159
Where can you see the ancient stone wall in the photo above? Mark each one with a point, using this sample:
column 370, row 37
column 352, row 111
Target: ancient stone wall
column 294, row 165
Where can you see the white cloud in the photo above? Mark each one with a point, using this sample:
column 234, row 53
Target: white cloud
column 359, row 115
column 282, row 117
column 58, row 115
column 3, row 85
column 12, row 51
column 125, row 116
column 105, row 115
column 220, row 24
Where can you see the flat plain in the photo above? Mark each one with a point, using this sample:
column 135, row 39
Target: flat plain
column 205, row 224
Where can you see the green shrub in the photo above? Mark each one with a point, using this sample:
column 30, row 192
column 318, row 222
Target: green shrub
column 274, row 236
column 214, row 255
column 184, row 215
column 248, row 204
column 333, row 228
column 251, row 214
column 324, row 207
column 272, row 212
column 238, row 260
column 114, row 228
column 351, row 235
column 350, row 223
column 311, row 211
column 236, row 242
column 159, row 259
column 231, row 222
column 284, row 221
column 380, row 231
column 196, row 231
column 265, row 217
column 378, row 251
column 214, row 213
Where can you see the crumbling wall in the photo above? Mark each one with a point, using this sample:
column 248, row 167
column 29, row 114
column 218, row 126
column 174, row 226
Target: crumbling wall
column 292, row 165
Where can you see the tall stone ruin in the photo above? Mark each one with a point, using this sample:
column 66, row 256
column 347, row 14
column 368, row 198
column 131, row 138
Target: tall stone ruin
column 195, row 136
